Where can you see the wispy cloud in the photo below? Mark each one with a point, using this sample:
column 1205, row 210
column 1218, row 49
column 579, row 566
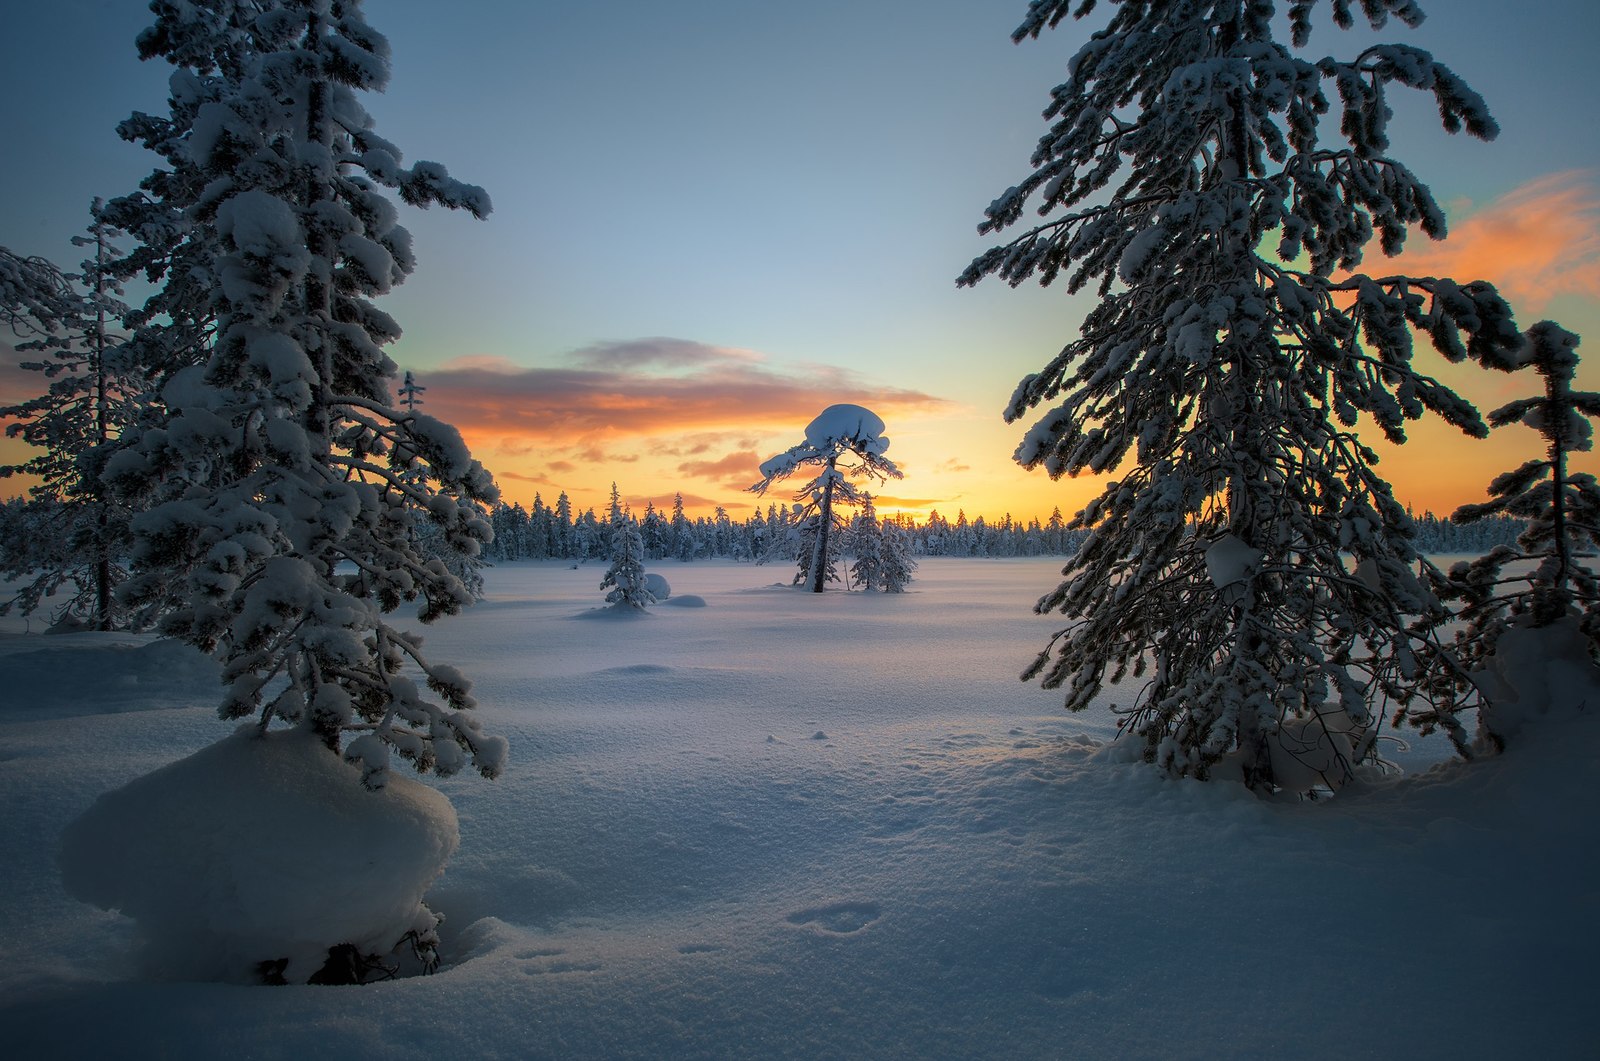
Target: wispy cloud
column 665, row 502
column 660, row 353
column 736, row 469
column 891, row 501
column 1537, row 242
column 644, row 387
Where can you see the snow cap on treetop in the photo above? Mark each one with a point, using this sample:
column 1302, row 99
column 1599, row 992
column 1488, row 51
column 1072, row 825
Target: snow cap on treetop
column 859, row 428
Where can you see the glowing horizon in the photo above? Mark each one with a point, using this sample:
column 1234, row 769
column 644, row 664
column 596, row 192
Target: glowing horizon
column 1545, row 233
column 666, row 303
column 662, row 416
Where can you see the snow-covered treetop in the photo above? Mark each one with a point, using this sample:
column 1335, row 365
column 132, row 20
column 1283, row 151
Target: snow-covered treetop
column 851, row 426
column 837, row 430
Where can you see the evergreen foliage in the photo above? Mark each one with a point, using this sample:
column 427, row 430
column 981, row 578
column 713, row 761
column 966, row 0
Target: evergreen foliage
column 866, row 542
column 840, row 432
column 87, row 402
column 895, row 561
column 881, row 560
column 34, row 294
column 625, row 577
column 1560, row 512
column 760, row 538
column 290, row 491
column 1233, row 352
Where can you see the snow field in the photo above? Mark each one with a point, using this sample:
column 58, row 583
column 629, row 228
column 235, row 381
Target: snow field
column 793, row 825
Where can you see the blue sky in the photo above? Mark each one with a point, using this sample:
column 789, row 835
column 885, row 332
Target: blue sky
column 737, row 211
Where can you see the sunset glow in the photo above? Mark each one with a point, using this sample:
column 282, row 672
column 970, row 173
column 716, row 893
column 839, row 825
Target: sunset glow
column 664, row 302
column 661, row 416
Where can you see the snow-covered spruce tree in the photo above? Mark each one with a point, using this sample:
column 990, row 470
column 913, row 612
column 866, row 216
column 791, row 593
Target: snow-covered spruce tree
column 431, row 541
column 896, row 563
column 289, row 484
column 866, row 543
column 816, row 547
column 1517, row 629
column 881, row 560
column 625, row 578
column 839, row 432
column 1230, row 359
column 87, row 402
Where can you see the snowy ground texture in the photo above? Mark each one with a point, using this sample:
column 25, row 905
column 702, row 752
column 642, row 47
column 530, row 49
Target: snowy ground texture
column 763, row 823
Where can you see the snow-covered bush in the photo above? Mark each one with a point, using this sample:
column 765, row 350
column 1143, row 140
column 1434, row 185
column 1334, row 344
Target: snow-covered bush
column 1233, row 352
column 838, row 431
column 1521, row 628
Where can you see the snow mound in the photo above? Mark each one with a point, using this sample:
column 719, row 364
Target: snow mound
column 1537, row 671
column 620, row 612
column 261, row 847
column 658, row 586
column 688, row 600
column 859, row 428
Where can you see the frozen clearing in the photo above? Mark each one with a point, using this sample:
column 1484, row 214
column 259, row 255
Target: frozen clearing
column 782, row 825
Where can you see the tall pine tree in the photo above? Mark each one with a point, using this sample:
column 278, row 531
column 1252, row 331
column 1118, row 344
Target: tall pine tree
column 1546, row 606
column 289, row 484
column 1234, row 351
column 846, row 433
column 89, row 400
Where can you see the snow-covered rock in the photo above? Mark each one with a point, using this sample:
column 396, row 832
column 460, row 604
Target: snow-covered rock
column 258, row 848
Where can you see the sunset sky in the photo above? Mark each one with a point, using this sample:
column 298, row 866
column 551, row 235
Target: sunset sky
column 715, row 217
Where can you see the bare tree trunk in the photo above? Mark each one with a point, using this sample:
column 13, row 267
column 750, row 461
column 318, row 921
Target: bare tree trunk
column 102, row 547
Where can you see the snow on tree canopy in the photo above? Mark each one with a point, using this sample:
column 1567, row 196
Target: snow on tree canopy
column 1193, row 177
column 838, row 431
column 858, row 428
column 1230, row 561
column 289, row 505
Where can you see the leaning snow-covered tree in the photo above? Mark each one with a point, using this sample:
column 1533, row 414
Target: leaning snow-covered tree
column 289, row 484
column 1521, row 626
column 839, row 432
column 1233, row 352
column 88, row 399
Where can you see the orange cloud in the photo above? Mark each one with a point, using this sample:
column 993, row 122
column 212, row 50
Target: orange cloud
column 664, row 503
column 644, row 387
column 738, row 469
column 1536, row 242
column 890, row 501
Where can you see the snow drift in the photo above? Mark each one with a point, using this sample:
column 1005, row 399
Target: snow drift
column 261, row 847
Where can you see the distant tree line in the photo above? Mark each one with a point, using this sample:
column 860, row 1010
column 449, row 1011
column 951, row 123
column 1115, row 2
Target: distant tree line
column 28, row 539
column 558, row 532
